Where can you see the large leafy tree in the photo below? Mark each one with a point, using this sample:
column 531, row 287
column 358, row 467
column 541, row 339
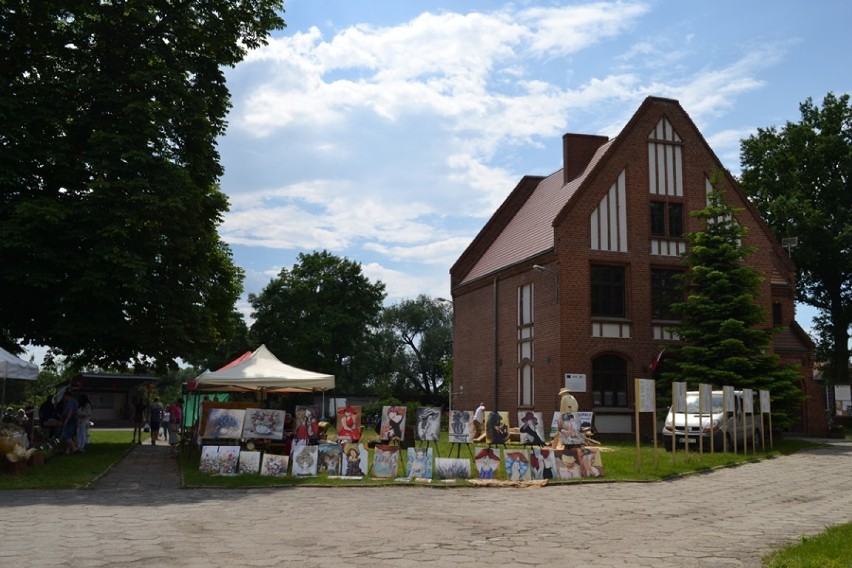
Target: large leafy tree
column 800, row 179
column 109, row 202
column 318, row 316
column 422, row 331
column 724, row 337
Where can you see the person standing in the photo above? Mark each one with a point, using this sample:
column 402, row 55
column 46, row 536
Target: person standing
column 155, row 419
column 69, row 422
column 138, row 420
column 479, row 423
column 84, row 415
column 167, row 417
column 176, row 412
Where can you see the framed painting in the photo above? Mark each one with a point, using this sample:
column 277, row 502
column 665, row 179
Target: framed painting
column 274, row 465
column 531, row 428
column 224, row 423
column 393, row 423
column 264, row 423
column 428, row 423
column 349, row 424
column 452, row 468
column 219, row 460
column 249, row 462
column 419, row 463
column 517, row 464
column 385, row 461
column 329, row 459
column 356, row 460
column 306, row 425
column 304, row 460
column 460, row 426
column 487, row 462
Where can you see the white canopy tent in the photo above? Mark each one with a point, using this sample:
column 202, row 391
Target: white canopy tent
column 12, row 367
column 264, row 372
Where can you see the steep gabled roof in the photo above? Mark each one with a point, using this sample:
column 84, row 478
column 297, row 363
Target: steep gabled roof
column 527, row 233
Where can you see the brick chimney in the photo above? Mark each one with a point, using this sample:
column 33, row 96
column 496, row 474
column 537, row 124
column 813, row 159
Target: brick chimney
column 577, row 152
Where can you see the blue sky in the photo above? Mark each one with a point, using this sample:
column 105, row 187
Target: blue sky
column 388, row 132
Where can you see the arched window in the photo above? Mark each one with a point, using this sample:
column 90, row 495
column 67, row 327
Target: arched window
column 609, row 381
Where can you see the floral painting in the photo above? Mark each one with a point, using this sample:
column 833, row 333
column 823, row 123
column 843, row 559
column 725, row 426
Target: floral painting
column 460, row 426
column 349, row 424
column 428, row 423
column 543, row 463
column 355, row 460
column 517, row 464
column 249, row 462
column 220, row 460
column 497, row 427
column 264, row 423
column 385, row 461
column 452, row 468
column 224, row 423
column 531, row 428
column 330, row 458
column 393, row 423
column 487, row 461
column 419, row 463
column 306, row 425
column 304, row 459
column 274, row 465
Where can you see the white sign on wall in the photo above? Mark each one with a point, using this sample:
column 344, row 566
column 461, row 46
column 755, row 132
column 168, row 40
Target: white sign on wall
column 575, row 382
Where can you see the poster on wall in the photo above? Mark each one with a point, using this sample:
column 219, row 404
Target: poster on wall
column 575, row 382
column 428, row 423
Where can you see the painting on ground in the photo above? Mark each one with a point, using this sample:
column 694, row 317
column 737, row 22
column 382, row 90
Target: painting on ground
column 220, row 460
column 249, row 462
column 497, row 427
column 487, row 461
column 274, row 465
column 385, row 461
column 304, row 460
column 264, row 423
column 429, row 423
column 531, row 428
column 349, row 424
column 356, row 460
column 460, row 426
column 452, row 468
column 567, row 465
column 306, row 425
column 330, row 457
column 543, row 463
column 393, row 423
column 224, row 423
column 517, row 464
column 419, row 463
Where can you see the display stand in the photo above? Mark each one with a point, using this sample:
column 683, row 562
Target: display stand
column 431, row 444
column 457, row 446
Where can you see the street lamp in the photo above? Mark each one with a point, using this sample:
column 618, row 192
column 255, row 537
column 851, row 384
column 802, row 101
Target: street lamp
column 555, row 274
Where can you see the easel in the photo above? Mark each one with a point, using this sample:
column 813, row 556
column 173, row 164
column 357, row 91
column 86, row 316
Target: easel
column 429, row 445
column 457, row 446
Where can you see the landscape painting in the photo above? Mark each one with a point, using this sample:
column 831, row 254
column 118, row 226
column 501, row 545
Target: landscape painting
column 452, row 468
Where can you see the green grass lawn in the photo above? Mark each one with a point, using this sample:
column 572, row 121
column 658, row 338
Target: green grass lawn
column 830, row 549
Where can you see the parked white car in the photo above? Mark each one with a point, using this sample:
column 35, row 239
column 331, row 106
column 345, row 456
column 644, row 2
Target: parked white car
column 687, row 428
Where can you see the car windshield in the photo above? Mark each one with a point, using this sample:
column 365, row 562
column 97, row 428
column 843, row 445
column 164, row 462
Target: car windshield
column 692, row 403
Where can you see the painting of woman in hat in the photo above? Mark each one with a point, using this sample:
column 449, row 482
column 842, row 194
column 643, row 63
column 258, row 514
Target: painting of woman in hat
column 487, row 462
column 349, row 424
column 531, row 430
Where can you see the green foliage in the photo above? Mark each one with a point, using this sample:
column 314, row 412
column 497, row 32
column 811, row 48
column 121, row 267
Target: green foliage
column 800, row 179
column 417, row 336
column 722, row 326
column 109, row 204
column 317, row 316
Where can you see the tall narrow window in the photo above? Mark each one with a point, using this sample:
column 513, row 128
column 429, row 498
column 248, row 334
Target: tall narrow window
column 609, row 381
column 665, row 291
column 777, row 314
column 526, row 375
column 666, row 219
column 608, row 291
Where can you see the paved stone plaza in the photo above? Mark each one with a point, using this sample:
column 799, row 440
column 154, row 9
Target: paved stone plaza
column 138, row 516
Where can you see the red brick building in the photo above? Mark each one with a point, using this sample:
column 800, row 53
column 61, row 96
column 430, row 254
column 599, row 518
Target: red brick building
column 570, row 281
